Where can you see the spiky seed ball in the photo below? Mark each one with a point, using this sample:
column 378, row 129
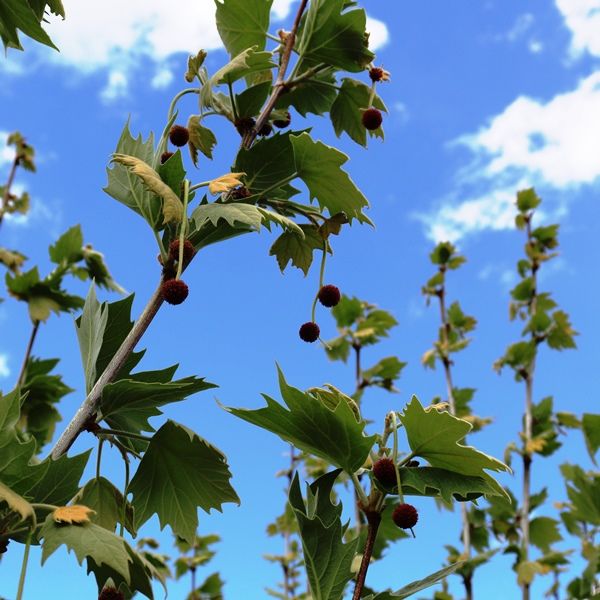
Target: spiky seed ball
column 329, row 296
column 376, row 73
column 405, row 516
column 164, row 157
column 283, row 123
column 188, row 250
column 111, row 593
column 179, row 135
column 244, row 125
column 174, row 291
column 385, row 472
column 265, row 130
column 372, row 119
column 309, row 332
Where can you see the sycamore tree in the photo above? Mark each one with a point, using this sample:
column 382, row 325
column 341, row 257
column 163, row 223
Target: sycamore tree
column 282, row 179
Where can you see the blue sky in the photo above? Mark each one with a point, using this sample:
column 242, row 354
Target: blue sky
column 486, row 98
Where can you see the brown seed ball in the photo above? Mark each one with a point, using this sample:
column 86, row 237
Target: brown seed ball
column 376, row 73
column 174, row 291
column 372, row 119
column 405, row 516
column 244, row 125
column 265, row 130
column 111, row 593
column 188, row 250
column 385, row 472
column 164, row 157
column 283, row 123
column 309, row 332
column 329, row 295
column 179, row 135
column 240, row 193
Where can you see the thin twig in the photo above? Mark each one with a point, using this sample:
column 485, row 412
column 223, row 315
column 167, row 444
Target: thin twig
column 9, row 182
column 34, row 330
column 279, row 86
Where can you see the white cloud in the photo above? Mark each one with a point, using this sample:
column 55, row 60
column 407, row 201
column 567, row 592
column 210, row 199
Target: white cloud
column 162, row 78
column 506, row 277
column 556, row 142
column 535, row 46
column 4, row 370
column 281, row 8
column 453, row 221
column 582, row 17
column 7, row 153
column 116, row 87
column 379, row 34
column 553, row 145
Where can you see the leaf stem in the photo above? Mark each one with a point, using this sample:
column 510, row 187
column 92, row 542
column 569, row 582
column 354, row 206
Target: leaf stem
column 279, row 85
column 24, row 567
column 127, row 476
column 99, row 457
column 321, row 278
column 183, row 229
column 232, row 99
column 197, row 186
column 163, row 138
column 34, row 330
column 121, row 433
column 359, row 489
column 395, row 459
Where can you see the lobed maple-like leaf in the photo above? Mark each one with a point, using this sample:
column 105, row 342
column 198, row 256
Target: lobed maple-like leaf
column 332, row 434
column 436, row 436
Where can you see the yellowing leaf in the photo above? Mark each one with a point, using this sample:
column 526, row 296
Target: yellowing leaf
column 535, row 445
column 76, row 513
column 15, row 502
column 172, row 207
column 225, row 183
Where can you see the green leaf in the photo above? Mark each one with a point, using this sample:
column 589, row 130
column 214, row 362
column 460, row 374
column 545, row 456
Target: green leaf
column 590, row 425
column 126, row 187
column 52, row 481
column 416, row 586
column 252, row 99
column 193, row 65
column 435, row 436
column 441, row 483
column 346, row 115
column 561, row 334
column 101, row 547
column 327, row 558
column 334, row 435
column 127, row 404
column 243, row 23
column 15, row 453
column 42, row 391
column 527, row 200
column 315, row 95
column 267, row 163
column 212, row 587
column 387, row 368
column 17, row 14
column 290, row 246
column 90, row 333
column 235, row 213
column 543, row 532
column 527, row 570
column 583, row 490
column 347, row 312
column 102, row 496
column 319, row 166
column 201, row 138
column 334, row 37
column 15, row 502
column 247, row 62
column 68, row 247
column 178, row 473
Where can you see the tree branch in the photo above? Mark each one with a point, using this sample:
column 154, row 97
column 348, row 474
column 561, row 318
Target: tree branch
column 90, row 404
column 373, row 520
column 34, row 330
column 279, row 86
